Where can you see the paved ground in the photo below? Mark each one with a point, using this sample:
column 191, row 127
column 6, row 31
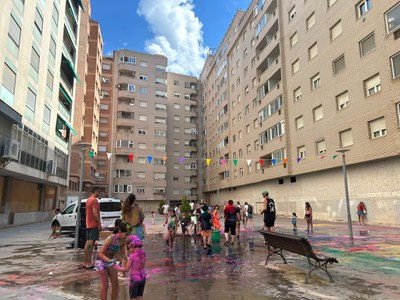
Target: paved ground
column 369, row 269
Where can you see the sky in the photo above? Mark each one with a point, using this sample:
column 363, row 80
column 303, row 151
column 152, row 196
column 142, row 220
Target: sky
column 182, row 30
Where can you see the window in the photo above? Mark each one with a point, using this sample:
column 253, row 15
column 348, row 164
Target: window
column 14, row 32
column 142, row 146
column 160, row 133
column 142, row 118
column 144, row 64
column 141, row 160
column 338, row 65
column 38, row 21
column 106, row 67
column 175, row 191
column 177, row 142
column 342, row 100
column 159, row 176
column 31, row 100
column 131, row 87
column 35, row 60
column 177, row 106
column 49, row 80
column 378, row 128
column 141, row 175
column 321, row 147
column 293, row 39
column 346, row 138
column 318, row 113
column 297, row 94
column 126, row 59
column 52, row 47
column 143, row 77
column 392, row 18
column 295, row 66
column 292, row 14
column 363, row 7
column 142, row 104
column 301, row 152
column 122, row 188
column 177, row 95
column 395, row 62
column 56, row 14
column 142, row 131
column 176, row 118
column 312, row 51
column 46, row 115
column 336, row 30
column 331, row 2
column 398, row 112
column 9, row 79
column 299, row 122
column 372, row 85
column 161, row 107
column 140, row 190
column 310, row 21
column 367, row 44
column 159, row 120
column 142, row 90
column 315, row 82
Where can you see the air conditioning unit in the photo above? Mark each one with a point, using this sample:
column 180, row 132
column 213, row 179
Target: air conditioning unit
column 51, row 167
column 11, row 149
column 118, row 86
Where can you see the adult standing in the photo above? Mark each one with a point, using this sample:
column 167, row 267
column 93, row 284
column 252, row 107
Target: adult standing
column 231, row 217
column 269, row 211
column 248, row 215
column 165, row 209
column 93, row 227
column 205, row 222
column 133, row 214
column 309, row 217
column 361, row 212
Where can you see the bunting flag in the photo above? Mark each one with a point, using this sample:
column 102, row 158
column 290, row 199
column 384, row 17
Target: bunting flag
column 208, row 160
column 323, row 156
column 248, row 162
column 164, row 158
column 333, row 157
column 285, row 161
column 235, row 161
column 181, row 159
column 149, row 158
column 109, row 155
column 130, row 157
column 223, row 161
column 91, row 153
column 273, row 161
column 261, row 162
column 298, row 159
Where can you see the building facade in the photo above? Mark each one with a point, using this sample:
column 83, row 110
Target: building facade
column 290, row 84
column 182, row 138
column 37, row 85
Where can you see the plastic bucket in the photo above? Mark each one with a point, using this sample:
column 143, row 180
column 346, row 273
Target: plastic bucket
column 215, row 236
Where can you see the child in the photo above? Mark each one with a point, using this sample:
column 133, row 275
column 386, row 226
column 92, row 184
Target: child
column 136, row 263
column 153, row 217
column 171, row 229
column 184, row 223
column 294, row 221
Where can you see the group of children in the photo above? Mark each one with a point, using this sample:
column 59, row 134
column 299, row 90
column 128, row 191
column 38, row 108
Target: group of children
column 307, row 216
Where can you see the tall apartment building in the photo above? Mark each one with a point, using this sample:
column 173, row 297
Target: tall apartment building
column 87, row 105
column 182, row 138
column 139, row 148
column 37, row 84
column 290, row 84
column 105, row 172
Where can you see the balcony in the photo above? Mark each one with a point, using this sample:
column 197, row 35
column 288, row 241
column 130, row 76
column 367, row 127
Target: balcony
column 271, row 60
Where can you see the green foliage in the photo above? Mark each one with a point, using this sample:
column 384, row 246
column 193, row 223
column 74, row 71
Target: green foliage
column 185, row 206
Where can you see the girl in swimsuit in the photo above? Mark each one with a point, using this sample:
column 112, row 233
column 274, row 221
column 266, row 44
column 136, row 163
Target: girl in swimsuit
column 112, row 249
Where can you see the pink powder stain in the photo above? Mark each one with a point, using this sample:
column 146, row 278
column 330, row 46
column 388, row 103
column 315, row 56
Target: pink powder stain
column 180, row 265
column 3, row 283
column 155, row 270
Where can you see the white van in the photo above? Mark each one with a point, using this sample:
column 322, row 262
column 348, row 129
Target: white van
column 110, row 210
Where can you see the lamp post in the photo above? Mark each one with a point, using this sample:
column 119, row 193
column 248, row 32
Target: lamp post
column 346, row 190
column 82, row 147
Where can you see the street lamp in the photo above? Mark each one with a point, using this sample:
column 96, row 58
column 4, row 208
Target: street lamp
column 82, row 147
column 346, row 190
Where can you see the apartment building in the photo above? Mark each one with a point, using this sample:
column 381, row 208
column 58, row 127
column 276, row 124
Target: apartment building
column 290, row 84
column 105, row 174
column 37, row 85
column 87, row 107
column 182, row 138
column 139, row 148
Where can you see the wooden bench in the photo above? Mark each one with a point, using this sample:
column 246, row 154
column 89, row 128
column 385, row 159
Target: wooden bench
column 277, row 242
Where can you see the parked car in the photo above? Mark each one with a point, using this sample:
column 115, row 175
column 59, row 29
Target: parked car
column 110, row 210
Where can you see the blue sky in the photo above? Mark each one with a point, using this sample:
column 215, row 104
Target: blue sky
column 182, row 30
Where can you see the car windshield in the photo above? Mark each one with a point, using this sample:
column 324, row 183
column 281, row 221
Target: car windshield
column 110, row 206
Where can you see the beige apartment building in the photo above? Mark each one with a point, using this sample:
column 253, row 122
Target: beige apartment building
column 182, row 138
column 37, row 85
column 139, row 147
column 86, row 108
column 290, row 84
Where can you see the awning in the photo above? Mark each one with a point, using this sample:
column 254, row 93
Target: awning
column 79, row 2
column 70, row 128
column 9, row 113
column 65, row 94
column 71, row 67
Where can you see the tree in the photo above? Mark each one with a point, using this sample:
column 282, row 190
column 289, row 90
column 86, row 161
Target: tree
column 160, row 210
column 185, row 206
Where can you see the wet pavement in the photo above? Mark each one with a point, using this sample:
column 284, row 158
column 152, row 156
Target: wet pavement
column 368, row 269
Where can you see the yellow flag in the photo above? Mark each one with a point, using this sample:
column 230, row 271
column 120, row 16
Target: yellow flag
column 208, row 160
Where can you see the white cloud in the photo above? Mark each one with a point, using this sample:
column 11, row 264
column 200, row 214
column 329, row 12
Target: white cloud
column 177, row 34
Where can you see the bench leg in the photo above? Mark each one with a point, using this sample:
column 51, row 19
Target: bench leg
column 273, row 250
column 317, row 265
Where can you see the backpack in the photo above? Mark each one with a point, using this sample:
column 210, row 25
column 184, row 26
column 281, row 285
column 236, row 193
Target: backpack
column 249, row 209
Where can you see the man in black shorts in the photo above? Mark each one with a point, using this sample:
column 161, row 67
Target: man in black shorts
column 269, row 211
column 230, row 214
